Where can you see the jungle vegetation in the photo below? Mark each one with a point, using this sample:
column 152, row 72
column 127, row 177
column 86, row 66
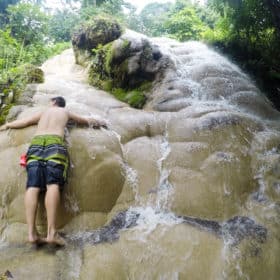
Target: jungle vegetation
column 247, row 31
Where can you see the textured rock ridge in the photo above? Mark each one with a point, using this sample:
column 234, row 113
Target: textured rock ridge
column 189, row 189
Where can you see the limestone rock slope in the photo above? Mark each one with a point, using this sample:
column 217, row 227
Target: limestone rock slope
column 186, row 189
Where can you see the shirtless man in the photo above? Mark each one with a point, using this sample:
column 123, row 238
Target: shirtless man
column 47, row 164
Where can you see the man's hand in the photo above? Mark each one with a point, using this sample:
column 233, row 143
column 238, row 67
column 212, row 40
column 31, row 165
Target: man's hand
column 97, row 124
column 91, row 122
column 103, row 124
column 3, row 127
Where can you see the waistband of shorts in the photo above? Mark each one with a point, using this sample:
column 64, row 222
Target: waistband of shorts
column 47, row 139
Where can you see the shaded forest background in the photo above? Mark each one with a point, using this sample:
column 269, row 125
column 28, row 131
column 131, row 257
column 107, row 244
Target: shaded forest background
column 246, row 31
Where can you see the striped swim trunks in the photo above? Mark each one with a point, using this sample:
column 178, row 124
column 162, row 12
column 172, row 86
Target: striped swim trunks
column 47, row 161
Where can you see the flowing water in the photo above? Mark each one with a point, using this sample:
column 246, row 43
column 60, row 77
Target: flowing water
column 188, row 190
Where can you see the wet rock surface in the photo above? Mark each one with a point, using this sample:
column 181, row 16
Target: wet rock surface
column 172, row 190
column 107, row 233
column 238, row 228
column 234, row 230
column 180, row 73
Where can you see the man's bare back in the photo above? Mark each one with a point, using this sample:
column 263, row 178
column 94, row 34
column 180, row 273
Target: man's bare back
column 53, row 121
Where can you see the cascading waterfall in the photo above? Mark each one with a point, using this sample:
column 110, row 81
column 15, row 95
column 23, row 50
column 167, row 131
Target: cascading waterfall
column 186, row 189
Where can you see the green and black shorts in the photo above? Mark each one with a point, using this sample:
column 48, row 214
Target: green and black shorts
column 47, row 161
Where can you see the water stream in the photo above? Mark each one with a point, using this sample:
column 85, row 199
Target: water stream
column 189, row 189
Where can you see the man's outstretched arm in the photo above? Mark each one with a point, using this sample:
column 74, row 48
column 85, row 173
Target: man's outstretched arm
column 22, row 122
column 86, row 121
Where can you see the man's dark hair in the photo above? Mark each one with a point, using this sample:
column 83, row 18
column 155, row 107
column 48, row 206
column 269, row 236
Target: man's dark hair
column 59, row 101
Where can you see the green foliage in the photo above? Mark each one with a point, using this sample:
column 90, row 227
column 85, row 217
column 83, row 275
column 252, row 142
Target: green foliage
column 132, row 20
column 247, row 20
column 134, row 98
column 100, row 68
column 16, row 78
column 185, row 25
column 10, row 50
column 61, row 25
column 113, row 8
column 274, row 7
column 57, row 48
column 180, row 5
column 152, row 17
column 3, row 10
column 27, row 23
column 5, row 3
column 12, row 55
column 182, row 20
column 24, row 42
column 247, row 32
column 207, row 15
column 89, row 3
column 220, row 33
column 15, row 60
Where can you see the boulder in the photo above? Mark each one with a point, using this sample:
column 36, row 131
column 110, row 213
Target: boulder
column 192, row 192
column 97, row 31
column 167, row 257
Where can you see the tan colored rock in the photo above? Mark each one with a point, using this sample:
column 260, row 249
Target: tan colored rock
column 15, row 233
column 103, row 262
column 13, row 177
column 86, row 221
column 210, row 161
column 27, row 263
column 96, row 178
column 156, row 255
column 253, row 260
column 187, row 154
column 142, row 155
column 130, row 123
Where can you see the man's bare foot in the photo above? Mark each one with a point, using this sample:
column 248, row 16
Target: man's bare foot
column 55, row 240
column 36, row 239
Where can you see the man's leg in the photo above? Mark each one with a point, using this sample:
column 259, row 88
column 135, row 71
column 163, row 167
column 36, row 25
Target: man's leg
column 31, row 204
column 52, row 199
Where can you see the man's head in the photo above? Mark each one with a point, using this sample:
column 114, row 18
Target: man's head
column 58, row 101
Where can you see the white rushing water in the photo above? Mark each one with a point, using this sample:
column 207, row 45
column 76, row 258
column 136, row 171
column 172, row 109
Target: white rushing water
column 213, row 154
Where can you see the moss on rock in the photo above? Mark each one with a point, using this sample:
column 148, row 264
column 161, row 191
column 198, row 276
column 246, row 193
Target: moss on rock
column 118, row 64
column 98, row 31
column 110, row 71
column 13, row 84
column 109, row 76
column 33, row 74
column 135, row 98
column 4, row 111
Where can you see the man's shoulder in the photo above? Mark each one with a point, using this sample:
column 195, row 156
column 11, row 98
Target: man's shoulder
column 57, row 111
